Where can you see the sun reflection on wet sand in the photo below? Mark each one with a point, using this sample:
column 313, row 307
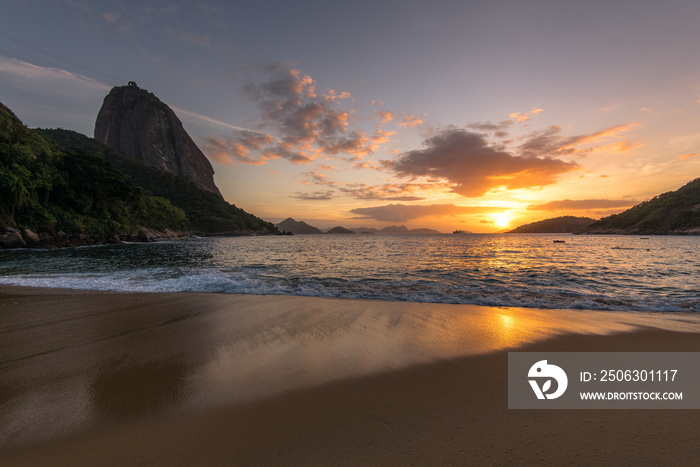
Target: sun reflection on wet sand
column 122, row 357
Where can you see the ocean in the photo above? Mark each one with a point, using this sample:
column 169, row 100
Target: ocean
column 659, row 273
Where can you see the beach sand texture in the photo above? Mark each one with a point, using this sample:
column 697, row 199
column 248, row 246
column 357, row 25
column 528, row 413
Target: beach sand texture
column 91, row 378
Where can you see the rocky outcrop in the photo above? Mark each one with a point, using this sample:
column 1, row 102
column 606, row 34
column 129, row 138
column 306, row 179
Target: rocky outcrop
column 138, row 124
column 11, row 238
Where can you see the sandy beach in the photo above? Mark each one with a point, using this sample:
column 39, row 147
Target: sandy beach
column 96, row 378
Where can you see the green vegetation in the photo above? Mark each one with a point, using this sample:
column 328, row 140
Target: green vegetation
column 564, row 224
column 45, row 188
column 673, row 212
column 80, row 186
column 205, row 211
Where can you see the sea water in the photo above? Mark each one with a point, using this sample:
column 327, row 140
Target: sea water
column 659, row 273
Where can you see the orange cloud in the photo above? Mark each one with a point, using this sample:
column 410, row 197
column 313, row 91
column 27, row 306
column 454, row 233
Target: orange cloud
column 551, row 142
column 385, row 116
column 307, row 125
column 228, row 152
column 334, row 95
column 517, row 116
column 473, row 167
column 607, row 133
column 688, row 156
column 388, row 192
column 619, row 147
column 409, row 121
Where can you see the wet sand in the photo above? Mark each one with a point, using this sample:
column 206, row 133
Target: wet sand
column 210, row 379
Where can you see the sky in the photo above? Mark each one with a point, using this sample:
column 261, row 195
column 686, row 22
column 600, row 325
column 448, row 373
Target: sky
column 443, row 114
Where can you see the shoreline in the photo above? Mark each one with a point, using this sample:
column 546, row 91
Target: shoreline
column 184, row 378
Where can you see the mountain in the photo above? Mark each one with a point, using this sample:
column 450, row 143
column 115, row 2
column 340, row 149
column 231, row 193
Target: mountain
column 564, row 224
column 392, row 229
column 674, row 212
column 297, row 227
column 340, row 230
column 206, row 212
column 69, row 197
column 135, row 122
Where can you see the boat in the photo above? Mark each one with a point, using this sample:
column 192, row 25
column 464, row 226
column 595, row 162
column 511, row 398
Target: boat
column 462, row 232
column 559, row 241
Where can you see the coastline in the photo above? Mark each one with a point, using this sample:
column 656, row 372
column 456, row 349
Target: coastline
column 194, row 378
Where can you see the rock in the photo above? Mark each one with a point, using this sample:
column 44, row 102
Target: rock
column 144, row 236
column 114, row 239
column 136, row 123
column 30, row 237
column 76, row 240
column 12, row 239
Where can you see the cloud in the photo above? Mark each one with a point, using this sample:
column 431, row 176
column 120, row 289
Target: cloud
column 488, row 126
column 518, row 117
column 196, row 117
column 583, row 204
column 306, row 121
column 466, row 160
column 388, row 192
column 24, row 72
column 410, row 121
column 230, row 150
column 550, row 141
column 403, row 212
column 385, row 116
column 688, row 156
column 619, row 147
column 317, row 178
column 315, row 195
column 333, row 95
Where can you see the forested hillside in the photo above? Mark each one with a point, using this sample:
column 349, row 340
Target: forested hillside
column 206, row 212
column 675, row 212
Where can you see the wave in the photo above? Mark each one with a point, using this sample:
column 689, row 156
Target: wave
column 261, row 282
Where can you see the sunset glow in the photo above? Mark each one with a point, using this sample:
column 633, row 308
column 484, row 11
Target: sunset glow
column 466, row 115
column 502, row 220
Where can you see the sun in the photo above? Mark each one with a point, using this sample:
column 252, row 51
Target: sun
column 502, row 219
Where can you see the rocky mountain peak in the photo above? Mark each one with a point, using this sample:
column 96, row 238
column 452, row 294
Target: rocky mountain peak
column 138, row 124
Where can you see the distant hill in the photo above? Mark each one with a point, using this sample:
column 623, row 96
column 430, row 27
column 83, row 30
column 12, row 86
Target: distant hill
column 206, row 211
column 392, row 229
column 676, row 212
column 297, row 227
column 301, row 228
column 564, row 224
column 340, row 230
